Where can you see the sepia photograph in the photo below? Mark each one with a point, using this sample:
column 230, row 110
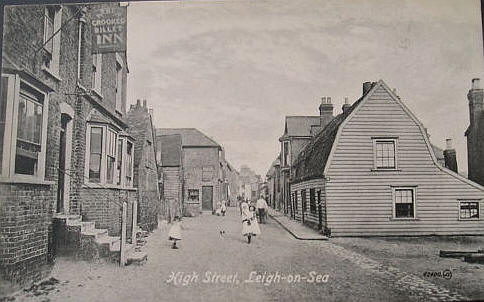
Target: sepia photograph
column 241, row 150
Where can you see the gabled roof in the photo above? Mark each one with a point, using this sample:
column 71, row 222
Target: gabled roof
column 190, row 137
column 312, row 159
column 300, row 125
column 171, row 146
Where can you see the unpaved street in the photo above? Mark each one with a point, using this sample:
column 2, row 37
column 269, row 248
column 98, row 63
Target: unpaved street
column 207, row 260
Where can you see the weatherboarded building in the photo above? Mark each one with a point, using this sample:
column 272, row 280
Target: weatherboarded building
column 372, row 171
column 169, row 153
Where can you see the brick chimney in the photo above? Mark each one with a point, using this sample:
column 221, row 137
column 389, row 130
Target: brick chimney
column 366, row 87
column 475, row 133
column 476, row 102
column 346, row 105
column 325, row 111
column 450, row 156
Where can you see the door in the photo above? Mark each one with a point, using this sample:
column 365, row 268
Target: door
column 207, row 198
column 61, row 182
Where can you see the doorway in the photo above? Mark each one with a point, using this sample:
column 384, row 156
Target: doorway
column 207, row 198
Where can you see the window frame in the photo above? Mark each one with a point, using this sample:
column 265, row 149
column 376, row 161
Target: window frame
column 414, row 197
column 96, row 75
column 375, row 141
column 52, row 63
column 118, row 98
column 7, row 173
column 304, row 201
column 461, row 201
column 286, row 153
column 312, row 201
column 189, row 200
column 211, row 171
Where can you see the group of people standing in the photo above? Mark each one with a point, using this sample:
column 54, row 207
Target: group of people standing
column 250, row 225
column 251, row 217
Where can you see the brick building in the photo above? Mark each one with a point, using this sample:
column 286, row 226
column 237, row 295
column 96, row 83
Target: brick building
column 475, row 133
column 62, row 137
column 298, row 132
column 145, row 174
column 202, row 175
column 273, row 176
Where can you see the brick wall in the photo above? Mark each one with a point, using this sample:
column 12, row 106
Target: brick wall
column 25, row 233
column 194, row 159
column 26, row 210
column 145, row 167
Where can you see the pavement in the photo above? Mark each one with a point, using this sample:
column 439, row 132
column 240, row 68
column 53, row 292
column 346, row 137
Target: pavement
column 209, row 266
column 296, row 229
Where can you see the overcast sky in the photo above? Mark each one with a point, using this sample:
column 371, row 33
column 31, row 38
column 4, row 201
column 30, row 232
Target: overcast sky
column 234, row 69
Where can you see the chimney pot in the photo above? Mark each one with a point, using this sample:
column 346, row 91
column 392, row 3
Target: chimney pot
column 323, row 100
column 346, row 101
column 138, row 102
column 144, row 103
column 328, row 100
column 131, row 107
column 476, row 83
column 448, row 143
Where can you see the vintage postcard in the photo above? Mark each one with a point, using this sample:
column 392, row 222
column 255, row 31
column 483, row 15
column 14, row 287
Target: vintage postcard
column 242, row 150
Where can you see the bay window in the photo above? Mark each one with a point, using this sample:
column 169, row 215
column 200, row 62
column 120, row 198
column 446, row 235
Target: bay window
column 108, row 154
column 95, row 154
column 119, row 162
column 129, row 163
column 111, row 156
column 23, row 129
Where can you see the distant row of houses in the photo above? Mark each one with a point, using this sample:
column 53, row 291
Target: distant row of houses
column 372, row 170
column 79, row 170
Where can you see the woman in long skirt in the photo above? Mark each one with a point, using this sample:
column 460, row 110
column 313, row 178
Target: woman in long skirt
column 250, row 227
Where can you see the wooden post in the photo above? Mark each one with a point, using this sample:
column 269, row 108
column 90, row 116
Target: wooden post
column 135, row 222
column 122, row 257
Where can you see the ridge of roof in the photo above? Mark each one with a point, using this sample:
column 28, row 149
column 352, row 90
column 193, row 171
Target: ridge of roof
column 190, row 136
column 325, row 140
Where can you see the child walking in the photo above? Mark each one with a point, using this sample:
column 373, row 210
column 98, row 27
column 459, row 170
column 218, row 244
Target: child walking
column 174, row 234
column 250, row 227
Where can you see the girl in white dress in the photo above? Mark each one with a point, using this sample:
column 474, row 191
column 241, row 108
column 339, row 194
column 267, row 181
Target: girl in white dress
column 174, row 234
column 250, row 227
